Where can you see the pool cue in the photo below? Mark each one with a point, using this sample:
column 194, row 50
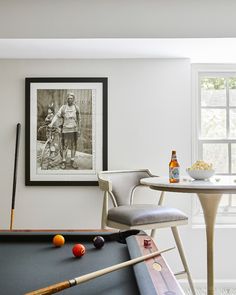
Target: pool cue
column 76, row 281
column 18, row 127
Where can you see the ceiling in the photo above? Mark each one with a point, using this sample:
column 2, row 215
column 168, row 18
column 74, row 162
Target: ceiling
column 198, row 50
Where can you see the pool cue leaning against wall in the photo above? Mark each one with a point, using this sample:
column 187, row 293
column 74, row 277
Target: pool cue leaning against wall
column 18, row 128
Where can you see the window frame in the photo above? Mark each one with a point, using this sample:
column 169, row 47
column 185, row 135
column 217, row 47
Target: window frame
column 224, row 218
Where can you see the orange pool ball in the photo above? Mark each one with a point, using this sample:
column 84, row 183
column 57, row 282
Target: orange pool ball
column 58, row 240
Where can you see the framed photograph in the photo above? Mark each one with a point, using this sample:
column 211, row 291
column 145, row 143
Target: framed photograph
column 66, row 130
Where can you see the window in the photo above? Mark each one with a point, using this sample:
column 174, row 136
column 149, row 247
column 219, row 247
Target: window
column 214, row 129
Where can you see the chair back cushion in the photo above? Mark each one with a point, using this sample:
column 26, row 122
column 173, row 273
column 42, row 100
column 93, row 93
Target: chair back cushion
column 124, row 182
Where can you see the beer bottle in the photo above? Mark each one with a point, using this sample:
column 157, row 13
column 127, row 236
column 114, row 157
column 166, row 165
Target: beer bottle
column 174, row 168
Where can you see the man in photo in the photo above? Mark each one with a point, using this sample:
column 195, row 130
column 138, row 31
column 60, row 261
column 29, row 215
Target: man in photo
column 69, row 113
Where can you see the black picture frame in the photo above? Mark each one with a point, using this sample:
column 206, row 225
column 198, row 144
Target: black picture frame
column 43, row 149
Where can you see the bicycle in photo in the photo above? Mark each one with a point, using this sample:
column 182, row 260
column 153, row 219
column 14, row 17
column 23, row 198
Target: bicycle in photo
column 51, row 155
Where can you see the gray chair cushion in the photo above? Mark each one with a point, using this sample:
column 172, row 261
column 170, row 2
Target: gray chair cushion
column 141, row 214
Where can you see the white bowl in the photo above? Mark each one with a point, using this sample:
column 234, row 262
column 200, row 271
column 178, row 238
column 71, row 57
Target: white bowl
column 200, row 174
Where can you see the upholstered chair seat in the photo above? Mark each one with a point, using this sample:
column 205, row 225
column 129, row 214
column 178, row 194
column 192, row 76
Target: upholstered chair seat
column 144, row 214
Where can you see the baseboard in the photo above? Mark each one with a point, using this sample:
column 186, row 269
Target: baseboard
column 221, row 284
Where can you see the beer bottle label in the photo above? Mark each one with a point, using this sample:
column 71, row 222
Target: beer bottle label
column 174, row 172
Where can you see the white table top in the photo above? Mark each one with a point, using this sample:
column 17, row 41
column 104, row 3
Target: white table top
column 216, row 184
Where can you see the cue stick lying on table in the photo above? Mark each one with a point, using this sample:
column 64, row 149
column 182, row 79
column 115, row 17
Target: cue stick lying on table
column 76, row 281
column 18, row 127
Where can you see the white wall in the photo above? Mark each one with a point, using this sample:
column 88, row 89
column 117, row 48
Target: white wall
column 149, row 107
column 145, row 123
column 116, row 19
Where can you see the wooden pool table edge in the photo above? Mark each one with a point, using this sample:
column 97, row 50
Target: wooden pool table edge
column 163, row 279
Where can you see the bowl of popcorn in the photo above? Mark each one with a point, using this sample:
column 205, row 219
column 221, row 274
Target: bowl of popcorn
column 201, row 170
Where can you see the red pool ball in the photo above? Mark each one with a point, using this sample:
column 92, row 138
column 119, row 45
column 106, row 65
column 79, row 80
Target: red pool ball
column 78, row 250
column 98, row 242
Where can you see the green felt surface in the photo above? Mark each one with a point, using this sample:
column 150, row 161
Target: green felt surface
column 30, row 261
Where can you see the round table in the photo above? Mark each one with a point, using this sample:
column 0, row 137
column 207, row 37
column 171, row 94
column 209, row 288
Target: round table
column 209, row 193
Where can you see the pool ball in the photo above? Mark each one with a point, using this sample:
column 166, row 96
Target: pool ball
column 58, row 240
column 98, row 242
column 78, row 250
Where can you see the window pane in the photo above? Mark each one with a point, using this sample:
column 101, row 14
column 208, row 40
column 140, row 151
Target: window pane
column 217, row 154
column 213, row 123
column 213, row 92
column 224, row 202
column 234, row 200
column 232, row 122
column 228, row 200
column 232, row 91
column 233, row 157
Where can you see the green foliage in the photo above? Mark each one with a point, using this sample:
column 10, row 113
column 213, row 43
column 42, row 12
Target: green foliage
column 232, row 83
column 213, row 83
column 217, row 83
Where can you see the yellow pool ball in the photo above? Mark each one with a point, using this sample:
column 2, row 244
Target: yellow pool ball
column 58, row 240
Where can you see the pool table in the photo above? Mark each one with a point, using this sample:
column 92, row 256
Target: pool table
column 29, row 261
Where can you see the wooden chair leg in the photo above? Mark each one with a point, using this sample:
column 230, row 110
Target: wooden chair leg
column 104, row 210
column 182, row 256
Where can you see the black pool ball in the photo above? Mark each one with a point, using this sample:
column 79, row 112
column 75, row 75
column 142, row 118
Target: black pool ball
column 98, row 242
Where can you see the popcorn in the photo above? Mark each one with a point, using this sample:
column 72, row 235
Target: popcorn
column 201, row 165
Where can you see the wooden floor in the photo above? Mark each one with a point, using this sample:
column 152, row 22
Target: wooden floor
column 200, row 291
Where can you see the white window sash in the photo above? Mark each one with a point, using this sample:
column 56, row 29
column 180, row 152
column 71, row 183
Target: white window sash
column 226, row 215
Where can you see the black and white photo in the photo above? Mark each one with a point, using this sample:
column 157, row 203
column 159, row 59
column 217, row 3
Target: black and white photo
column 66, row 130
